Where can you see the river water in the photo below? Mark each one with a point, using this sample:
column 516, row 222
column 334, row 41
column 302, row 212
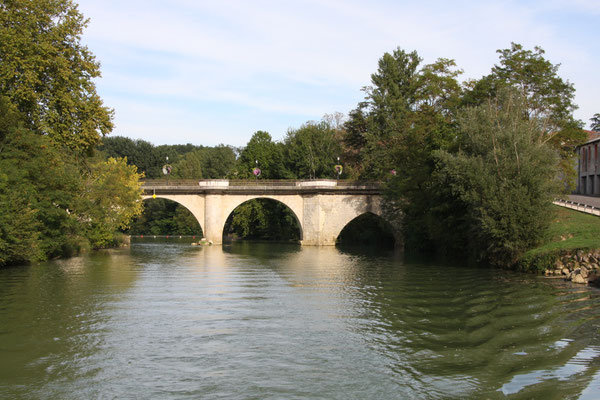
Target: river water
column 168, row 320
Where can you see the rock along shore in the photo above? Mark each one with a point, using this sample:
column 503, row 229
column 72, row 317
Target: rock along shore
column 578, row 267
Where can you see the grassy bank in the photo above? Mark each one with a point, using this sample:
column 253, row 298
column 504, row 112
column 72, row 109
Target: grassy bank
column 569, row 232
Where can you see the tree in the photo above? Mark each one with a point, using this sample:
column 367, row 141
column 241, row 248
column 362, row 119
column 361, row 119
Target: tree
column 595, row 122
column 311, row 151
column 38, row 191
column 189, row 166
column 218, row 162
column 548, row 99
column 406, row 112
column 138, row 152
column 206, row 163
column 269, row 155
column 386, row 112
column 48, row 74
column 112, row 198
column 504, row 175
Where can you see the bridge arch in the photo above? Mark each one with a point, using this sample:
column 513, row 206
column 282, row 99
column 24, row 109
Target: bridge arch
column 369, row 229
column 194, row 204
column 322, row 208
column 286, row 201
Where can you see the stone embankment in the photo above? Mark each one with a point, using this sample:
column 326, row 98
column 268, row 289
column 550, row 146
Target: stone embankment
column 579, row 267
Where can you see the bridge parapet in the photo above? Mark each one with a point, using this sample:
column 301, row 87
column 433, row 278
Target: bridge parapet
column 191, row 186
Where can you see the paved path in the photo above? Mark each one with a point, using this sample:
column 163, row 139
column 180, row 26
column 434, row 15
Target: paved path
column 589, row 200
column 586, row 204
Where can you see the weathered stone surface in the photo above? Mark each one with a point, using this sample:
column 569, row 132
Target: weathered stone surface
column 557, row 272
column 547, row 272
column 578, row 278
column 321, row 216
column 565, row 271
column 584, row 272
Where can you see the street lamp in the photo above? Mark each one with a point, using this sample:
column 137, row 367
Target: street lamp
column 166, row 169
column 338, row 169
column 256, row 171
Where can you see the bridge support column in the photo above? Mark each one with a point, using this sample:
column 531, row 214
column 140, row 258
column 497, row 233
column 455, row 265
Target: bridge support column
column 319, row 228
column 213, row 218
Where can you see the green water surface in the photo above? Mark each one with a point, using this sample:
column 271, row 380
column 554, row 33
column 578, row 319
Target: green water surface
column 166, row 320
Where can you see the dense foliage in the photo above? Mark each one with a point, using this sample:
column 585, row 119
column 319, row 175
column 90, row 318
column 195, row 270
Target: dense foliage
column 505, row 177
column 56, row 198
column 48, row 74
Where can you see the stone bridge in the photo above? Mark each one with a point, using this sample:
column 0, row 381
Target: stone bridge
column 322, row 207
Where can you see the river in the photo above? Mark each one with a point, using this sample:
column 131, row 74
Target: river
column 166, row 320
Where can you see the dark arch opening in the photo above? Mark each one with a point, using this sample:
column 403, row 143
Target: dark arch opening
column 165, row 217
column 262, row 219
column 367, row 230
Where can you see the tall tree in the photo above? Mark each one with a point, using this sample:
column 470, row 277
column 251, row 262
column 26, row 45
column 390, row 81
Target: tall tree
column 48, row 74
column 548, row 99
column 262, row 152
column 595, row 122
column 504, row 175
column 385, row 112
column 311, row 151
column 406, row 111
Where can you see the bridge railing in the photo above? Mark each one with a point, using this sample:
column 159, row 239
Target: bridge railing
column 257, row 182
column 586, row 208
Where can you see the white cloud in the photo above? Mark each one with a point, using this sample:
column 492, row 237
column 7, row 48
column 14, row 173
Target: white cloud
column 302, row 59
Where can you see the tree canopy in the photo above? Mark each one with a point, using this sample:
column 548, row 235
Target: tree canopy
column 48, row 74
column 55, row 197
column 505, row 176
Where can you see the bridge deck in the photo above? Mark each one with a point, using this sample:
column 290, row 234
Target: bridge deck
column 261, row 186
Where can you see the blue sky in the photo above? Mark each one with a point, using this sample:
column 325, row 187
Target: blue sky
column 208, row 72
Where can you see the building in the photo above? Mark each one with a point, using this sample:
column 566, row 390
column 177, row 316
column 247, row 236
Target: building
column 588, row 166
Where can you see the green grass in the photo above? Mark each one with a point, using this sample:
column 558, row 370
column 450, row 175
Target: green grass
column 569, row 231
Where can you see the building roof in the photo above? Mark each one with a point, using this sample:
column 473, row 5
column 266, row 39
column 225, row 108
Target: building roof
column 592, row 137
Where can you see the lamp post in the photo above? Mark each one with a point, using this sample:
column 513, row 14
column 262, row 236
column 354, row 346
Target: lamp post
column 256, row 171
column 166, row 169
column 338, row 169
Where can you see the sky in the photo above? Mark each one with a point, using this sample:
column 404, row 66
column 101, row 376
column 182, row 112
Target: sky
column 215, row 72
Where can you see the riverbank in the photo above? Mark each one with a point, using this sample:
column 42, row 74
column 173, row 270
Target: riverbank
column 571, row 248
